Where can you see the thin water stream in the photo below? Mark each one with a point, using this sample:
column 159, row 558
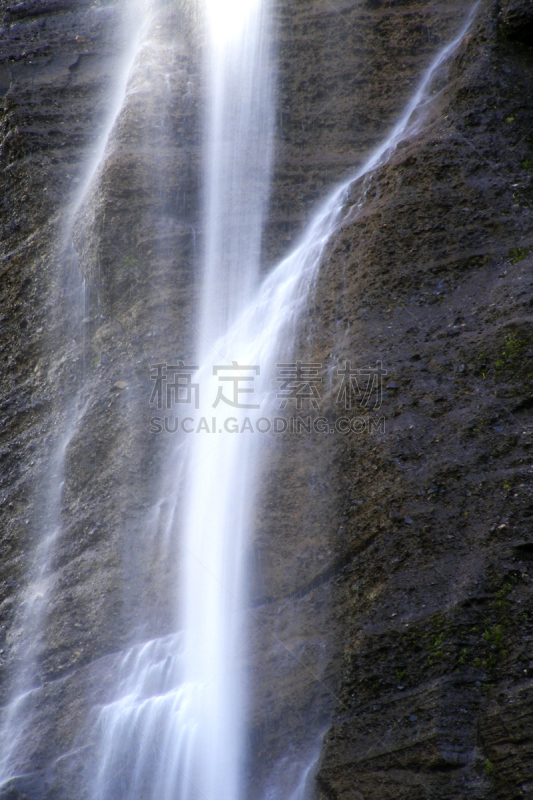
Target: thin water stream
column 16, row 717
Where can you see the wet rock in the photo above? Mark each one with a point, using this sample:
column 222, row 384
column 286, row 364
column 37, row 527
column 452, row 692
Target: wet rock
column 389, row 620
column 516, row 21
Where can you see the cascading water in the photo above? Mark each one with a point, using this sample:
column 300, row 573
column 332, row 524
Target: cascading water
column 179, row 720
column 16, row 718
column 176, row 729
column 238, row 166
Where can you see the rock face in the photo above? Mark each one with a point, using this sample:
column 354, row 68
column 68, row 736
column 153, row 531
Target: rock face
column 434, row 278
column 391, row 606
column 516, row 21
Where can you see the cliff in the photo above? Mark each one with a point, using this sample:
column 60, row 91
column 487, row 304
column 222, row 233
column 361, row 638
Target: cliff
column 391, row 601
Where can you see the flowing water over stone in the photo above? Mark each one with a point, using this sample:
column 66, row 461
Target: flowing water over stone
column 17, row 716
column 194, row 718
column 176, row 729
column 352, row 561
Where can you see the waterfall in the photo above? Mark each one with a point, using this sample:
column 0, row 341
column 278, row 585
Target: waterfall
column 176, row 729
column 179, row 719
column 16, row 717
column 239, row 131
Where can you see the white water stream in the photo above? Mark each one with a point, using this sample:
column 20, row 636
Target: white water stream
column 16, row 716
column 176, row 730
